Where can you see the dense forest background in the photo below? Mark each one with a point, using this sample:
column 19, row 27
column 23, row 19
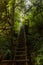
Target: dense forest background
column 19, row 15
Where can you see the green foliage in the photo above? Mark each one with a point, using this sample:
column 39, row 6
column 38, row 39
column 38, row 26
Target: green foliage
column 13, row 18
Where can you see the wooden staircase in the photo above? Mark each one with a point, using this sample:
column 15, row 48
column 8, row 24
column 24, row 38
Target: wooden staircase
column 20, row 56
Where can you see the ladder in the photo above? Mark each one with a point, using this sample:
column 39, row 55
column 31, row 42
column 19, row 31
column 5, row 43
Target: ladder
column 21, row 57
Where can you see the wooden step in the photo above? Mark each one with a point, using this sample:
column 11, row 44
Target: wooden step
column 22, row 60
column 21, row 63
column 21, row 49
column 19, row 57
column 20, row 52
column 20, row 46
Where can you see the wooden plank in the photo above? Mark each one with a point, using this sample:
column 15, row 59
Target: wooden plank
column 11, row 61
